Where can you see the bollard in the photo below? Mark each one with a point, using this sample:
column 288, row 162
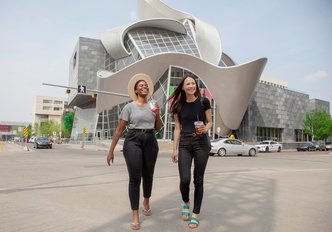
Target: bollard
column 82, row 144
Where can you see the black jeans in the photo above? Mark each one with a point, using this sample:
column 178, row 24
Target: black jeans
column 140, row 150
column 193, row 148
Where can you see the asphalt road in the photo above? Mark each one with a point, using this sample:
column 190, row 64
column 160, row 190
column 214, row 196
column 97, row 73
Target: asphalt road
column 72, row 189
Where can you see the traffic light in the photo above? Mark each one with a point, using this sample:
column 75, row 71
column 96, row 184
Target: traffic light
column 93, row 95
column 84, row 131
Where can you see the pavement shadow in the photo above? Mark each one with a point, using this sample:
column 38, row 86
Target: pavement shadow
column 236, row 201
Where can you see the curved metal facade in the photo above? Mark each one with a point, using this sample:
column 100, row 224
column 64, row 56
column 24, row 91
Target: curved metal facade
column 164, row 39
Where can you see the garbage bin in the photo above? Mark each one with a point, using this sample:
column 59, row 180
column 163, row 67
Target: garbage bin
column 81, row 144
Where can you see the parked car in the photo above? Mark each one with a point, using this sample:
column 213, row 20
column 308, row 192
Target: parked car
column 329, row 146
column 269, row 145
column 306, row 147
column 42, row 142
column 320, row 145
column 227, row 146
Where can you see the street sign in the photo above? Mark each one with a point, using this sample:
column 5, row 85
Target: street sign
column 81, row 89
column 25, row 132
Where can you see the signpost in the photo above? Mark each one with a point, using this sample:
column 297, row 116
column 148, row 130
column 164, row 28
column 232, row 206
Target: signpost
column 26, row 133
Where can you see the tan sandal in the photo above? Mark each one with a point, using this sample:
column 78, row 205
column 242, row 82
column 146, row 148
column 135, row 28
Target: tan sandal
column 135, row 225
column 147, row 212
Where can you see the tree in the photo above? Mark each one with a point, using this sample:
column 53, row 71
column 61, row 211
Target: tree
column 68, row 120
column 318, row 125
column 47, row 128
column 29, row 131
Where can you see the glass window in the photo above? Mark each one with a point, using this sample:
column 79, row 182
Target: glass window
column 46, row 101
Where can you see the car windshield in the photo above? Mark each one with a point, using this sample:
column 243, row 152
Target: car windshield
column 304, row 144
column 42, row 139
column 264, row 142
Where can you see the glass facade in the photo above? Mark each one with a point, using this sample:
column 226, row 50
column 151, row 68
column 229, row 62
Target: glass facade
column 141, row 43
column 152, row 41
column 108, row 119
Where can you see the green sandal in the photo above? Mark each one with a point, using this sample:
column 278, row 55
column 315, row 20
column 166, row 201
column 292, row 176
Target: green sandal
column 193, row 223
column 185, row 213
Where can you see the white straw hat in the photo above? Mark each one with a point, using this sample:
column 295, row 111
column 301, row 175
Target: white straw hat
column 134, row 80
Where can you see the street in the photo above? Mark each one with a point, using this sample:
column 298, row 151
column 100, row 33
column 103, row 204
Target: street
column 71, row 189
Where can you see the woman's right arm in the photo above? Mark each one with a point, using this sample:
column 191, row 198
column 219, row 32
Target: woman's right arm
column 115, row 139
column 176, row 137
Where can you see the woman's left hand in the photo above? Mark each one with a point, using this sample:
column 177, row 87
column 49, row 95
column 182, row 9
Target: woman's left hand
column 156, row 108
column 201, row 129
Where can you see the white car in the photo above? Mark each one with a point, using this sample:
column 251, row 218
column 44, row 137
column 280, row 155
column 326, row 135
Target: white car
column 269, row 145
column 329, row 146
column 227, row 146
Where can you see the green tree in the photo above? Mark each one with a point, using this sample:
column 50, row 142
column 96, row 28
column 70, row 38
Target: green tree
column 47, row 128
column 35, row 131
column 29, row 131
column 318, row 124
column 68, row 120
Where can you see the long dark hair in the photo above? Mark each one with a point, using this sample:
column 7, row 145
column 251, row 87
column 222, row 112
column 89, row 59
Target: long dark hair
column 179, row 96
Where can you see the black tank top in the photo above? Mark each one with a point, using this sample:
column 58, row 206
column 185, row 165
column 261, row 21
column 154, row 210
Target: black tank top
column 193, row 111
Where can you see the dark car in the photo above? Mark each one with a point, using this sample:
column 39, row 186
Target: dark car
column 42, row 142
column 306, row 147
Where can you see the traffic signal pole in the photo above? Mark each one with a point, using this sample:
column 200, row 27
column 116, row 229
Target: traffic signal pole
column 89, row 90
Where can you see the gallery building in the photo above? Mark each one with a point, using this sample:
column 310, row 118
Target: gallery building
column 166, row 44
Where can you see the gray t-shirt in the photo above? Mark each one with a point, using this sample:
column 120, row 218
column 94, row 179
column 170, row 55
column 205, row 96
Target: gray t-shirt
column 138, row 117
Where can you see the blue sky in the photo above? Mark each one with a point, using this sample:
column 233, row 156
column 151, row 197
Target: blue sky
column 37, row 39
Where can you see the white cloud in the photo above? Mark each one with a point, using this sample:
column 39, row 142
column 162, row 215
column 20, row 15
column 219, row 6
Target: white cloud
column 317, row 76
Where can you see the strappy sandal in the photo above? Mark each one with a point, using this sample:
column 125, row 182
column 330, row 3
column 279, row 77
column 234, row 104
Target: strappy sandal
column 146, row 212
column 185, row 213
column 193, row 223
column 135, row 225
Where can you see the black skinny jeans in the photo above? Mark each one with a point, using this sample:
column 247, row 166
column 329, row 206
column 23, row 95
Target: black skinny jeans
column 193, row 148
column 140, row 150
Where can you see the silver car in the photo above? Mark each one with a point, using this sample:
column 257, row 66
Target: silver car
column 227, row 146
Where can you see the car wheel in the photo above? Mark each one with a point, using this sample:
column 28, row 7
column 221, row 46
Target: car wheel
column 222, row 152
column 252, row 152
column 279, row 149
column 267, row 149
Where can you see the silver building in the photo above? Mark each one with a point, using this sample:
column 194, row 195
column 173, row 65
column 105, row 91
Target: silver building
column 166, row 44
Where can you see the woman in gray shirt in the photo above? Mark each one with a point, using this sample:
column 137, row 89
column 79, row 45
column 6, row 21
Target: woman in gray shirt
column 140, row 147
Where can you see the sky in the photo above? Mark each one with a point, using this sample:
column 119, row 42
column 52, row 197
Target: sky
column 38, row 37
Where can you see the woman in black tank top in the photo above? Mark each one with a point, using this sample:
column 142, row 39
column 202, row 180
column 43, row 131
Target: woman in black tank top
column 191, row 143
